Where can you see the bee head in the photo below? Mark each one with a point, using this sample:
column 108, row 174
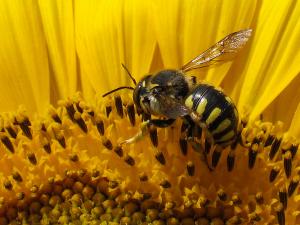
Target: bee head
column 141, row 95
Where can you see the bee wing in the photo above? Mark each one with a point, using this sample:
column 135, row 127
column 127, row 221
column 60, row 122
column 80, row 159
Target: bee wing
column 171, row 107
column 230, row 45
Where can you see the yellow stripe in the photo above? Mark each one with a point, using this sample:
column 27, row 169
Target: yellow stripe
column 227, row 136
column 222, row 126
column 213, row 115
column 189, row 102
column 201, row 107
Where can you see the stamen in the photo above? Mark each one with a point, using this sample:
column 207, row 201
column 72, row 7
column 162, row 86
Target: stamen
column 143, row 177
column 236, row 200
column 153, row 136
column 190, row 168
column 216, row 157
column 119, row 105
column 183, row 146
column 56, row 118
column 70, row 110
column 207, row 146
column 74, row 157
column 287, row 164
column 47, row 148
column 273, row 174
column 131, row 114
column 283, row 197
column 108, row 110
column 293, row 185
column 252, row 155
column 165, row 184
column 269, row 140
column 24, row 125
column 280, row 214
column 11, row 132
column 129, row 160
column 160, row 157
column 6, row 141
column 100, row 127
column 7, row 185
column 222, row 195
column 119, row 151
column 32, row 159
column 259, row 198
column 230, row 160
column 17, row 177
column 274, row 147
column 107, row 143
column 293, row 150
column 78, row 119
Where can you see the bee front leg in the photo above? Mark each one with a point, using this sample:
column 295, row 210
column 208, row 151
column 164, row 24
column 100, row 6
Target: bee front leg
column 145, row 128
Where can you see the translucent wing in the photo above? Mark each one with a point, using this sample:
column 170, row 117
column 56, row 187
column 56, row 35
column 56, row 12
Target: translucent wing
column 231, row 44
column 171, row 107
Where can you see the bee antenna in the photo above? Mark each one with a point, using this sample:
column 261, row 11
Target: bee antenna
column 131, row 77
column 117, row 89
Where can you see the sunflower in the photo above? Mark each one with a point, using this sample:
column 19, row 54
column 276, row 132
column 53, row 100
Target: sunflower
column 61, row 162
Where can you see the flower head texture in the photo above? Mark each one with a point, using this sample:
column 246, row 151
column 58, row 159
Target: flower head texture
column 71, row 156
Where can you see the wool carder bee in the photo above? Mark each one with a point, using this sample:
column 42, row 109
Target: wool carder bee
column 172, row 94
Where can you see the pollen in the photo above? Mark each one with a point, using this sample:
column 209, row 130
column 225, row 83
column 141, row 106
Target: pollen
column 72, row 167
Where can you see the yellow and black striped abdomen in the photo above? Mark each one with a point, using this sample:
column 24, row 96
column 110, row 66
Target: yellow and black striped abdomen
column 217, row 112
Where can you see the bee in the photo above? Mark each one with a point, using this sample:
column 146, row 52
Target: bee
column 172, row 94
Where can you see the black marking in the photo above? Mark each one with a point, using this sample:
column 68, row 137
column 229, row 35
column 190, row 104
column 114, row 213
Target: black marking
column 6, row 141
column 131, row 114
column 252, row 157
column 143, row 177
column 17, row 177
column 283, row 198
column 161, row 123
column 160, row 157
column 62, row 141
column 230, row 161
column 119, row 105
column 100, row 127
column 280, row 215
column 24, row 125
column 153, row 136
column 274, row 148
column 74, row 158
column 190, row 167
column 222, row 195
column 79, row 109
column 71, row 111
column 259, row 198
column 183, row 146
column 47, row 148
column 216, row 157
column 7, row 185
column 107, row 144
column 80, row 122
column 108, row 110
column 287, row 162
column 293, row 150
column 119, row 151
column 56, row 118
column 129, row 160
column 269, row 140
column 293, row 185
column 11, row 132
column 273, row 174
column 165, row 184
column 32, row 159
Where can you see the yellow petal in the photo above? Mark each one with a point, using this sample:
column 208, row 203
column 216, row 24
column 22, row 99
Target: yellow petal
column 23, row 57
column 273, row 60
column 57, row 19
column 187, row 28
column 108, row 34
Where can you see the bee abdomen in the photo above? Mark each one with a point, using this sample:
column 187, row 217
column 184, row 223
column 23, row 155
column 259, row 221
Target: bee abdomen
column 217, row 112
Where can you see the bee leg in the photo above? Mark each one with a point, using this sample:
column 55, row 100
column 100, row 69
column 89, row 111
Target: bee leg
column 145, row 127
